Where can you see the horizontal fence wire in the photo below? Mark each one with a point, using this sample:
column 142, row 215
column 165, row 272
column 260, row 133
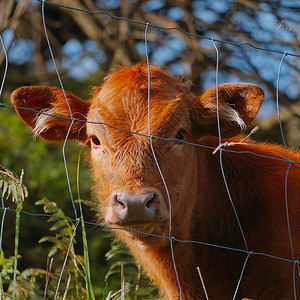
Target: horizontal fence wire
column 222, row 148
column 172, row 28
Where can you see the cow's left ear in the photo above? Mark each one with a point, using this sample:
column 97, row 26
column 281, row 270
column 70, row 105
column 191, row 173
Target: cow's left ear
column 46, row 112
column 239, row 104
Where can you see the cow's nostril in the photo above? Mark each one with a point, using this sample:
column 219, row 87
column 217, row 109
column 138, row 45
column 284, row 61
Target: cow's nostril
column 120, row 201
column 150, row 200
column 121, row 204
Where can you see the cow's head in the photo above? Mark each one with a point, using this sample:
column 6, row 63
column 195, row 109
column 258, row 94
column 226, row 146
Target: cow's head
column 116, row 129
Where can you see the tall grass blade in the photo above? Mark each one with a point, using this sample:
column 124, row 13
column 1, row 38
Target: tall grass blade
column 17, row 233
column 122, row 283
column 86, row 267
column 67, row 288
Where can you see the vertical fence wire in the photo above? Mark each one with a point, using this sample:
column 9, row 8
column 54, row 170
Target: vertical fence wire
column 2, row 223
column 217, row 91
column 241, row 276
column 287, row 152
column 1, row 190
column 221, row 162
column 277, row 104
column 1, row 90
column 53, row 58
column 158, row 166
column 294, row 279
column 63, row 149
column 221, row 149
column 6, row 64
column 67, row 101
column 287, row 172
column 66, row 258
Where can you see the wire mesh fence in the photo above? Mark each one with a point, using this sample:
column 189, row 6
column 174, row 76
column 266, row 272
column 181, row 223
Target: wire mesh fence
column 220, row 150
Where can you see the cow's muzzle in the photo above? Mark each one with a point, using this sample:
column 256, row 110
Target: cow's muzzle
column 136, row 206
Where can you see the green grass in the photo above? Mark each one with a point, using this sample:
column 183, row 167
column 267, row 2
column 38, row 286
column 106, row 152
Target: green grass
column 17, row 233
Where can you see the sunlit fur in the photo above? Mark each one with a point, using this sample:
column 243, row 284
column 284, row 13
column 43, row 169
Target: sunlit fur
column 201, row 209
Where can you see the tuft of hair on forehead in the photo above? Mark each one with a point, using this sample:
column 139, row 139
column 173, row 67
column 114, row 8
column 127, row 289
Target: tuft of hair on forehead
column 122, row 101
column 136, row 77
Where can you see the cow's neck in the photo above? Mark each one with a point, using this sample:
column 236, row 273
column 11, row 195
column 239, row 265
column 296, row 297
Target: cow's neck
column 202, row 199
column 223, row 229
column 208, row 194
column 224, row 194
column 158, row 264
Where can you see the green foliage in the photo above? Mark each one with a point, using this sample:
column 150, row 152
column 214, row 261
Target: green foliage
column 25, row 284
column 7, row 269
column 11, row 186
column 123, row 269
column 73, row 280
column 28, row 284
column 123, row 275
column 62, row 227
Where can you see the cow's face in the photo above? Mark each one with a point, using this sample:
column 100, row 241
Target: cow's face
column 133, row 161
column 126, row 162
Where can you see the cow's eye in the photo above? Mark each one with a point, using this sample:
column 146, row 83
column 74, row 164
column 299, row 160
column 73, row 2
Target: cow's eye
column 180, row 134
column 95, row 141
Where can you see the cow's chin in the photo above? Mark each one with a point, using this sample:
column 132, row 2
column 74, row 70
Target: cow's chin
column 145, row 235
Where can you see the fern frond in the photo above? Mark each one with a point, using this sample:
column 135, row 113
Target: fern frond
column 10, row 185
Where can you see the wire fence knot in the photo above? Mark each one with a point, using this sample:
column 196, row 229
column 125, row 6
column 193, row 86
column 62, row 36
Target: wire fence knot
column 220, row 147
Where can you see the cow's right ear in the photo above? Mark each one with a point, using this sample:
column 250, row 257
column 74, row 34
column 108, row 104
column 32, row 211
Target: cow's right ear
column 46, row 112
column 239, row 103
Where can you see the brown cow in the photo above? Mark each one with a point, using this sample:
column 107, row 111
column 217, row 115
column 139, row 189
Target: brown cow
column 132, row 195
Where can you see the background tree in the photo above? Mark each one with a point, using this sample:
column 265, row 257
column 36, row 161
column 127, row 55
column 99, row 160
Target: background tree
column 87, row 45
